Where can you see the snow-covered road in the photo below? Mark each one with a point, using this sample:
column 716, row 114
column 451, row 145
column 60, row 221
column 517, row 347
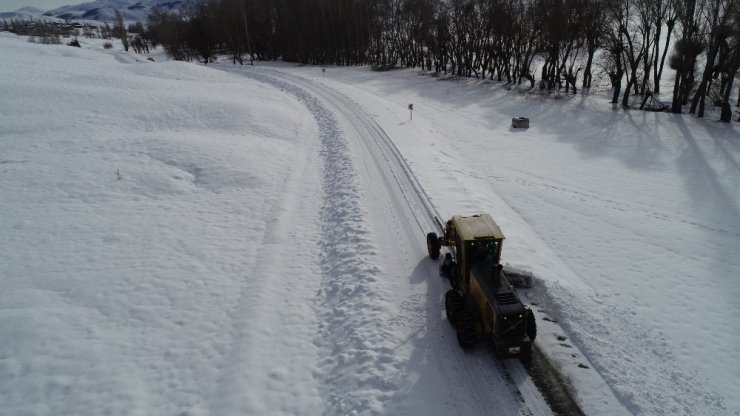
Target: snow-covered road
column 374, row 217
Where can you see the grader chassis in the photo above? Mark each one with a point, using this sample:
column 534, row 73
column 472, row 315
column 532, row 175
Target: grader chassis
column 482, row 302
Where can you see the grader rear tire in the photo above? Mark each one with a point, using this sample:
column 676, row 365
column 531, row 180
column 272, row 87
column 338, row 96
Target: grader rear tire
column 531, row 328
column 466, row 336
column 453, row 306
column 526, row 357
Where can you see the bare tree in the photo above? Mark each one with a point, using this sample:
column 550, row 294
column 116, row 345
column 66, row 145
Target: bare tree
column 730, row 65
column 718, row 20
column 120, row 30
column 664, row 13
column 613, row 60
column 594, row 22
column 688, row 48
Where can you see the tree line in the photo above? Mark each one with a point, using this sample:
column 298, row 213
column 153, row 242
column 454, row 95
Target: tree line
column 630, row 41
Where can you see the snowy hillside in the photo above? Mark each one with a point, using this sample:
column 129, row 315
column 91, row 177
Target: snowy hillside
column 99, row 10
column 25, row 13
column 104, row 10
column 229, row 240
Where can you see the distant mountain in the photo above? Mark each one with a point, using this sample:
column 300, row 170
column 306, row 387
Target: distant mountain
column 26, row 13
column 100, row 10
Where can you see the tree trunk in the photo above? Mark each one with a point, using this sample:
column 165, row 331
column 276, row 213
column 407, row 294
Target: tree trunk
column 646, row 62
column 656, row 53
column 702, row 98
column 659, row 74
column 714, row 41
column 617, row 85
column 676, row 102
column 587, row 71
column 726, row 115
column 626, row 97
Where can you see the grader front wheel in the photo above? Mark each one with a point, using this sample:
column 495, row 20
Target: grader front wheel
column 433, row 245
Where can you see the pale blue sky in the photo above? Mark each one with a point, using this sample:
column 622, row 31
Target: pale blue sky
column 13, row 5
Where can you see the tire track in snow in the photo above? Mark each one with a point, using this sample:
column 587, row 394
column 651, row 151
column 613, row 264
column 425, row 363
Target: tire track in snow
column 268, row 365
column 354, row 362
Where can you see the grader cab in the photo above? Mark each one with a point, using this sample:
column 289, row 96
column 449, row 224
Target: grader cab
column 483, row 302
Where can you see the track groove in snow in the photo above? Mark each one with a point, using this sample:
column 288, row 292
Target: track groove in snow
column 353, row 361
column 274, row 313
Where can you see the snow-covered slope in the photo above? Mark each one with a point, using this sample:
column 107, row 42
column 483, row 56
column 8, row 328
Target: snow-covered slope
column 99, row 10
column 184, row 240
column 104, row 10
column 25, row 13
column 136, row 200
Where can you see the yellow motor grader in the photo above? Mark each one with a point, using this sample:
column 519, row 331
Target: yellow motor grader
column 482, row 302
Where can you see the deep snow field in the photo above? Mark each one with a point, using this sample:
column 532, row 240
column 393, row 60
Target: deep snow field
column 188, row 240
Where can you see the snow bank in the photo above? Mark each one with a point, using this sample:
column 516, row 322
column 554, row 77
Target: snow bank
column 135, row 198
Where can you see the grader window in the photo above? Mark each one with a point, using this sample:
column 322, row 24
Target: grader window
column 481, row 250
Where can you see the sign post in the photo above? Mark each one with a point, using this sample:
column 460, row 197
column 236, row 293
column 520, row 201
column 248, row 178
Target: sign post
column 411, row 111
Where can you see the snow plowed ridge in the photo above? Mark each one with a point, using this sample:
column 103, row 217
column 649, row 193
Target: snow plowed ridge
column 349, row 338
column 354, row 363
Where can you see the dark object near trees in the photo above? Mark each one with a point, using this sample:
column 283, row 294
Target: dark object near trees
column 75, row 43
column 383, row 68
column 650, row 103
column 520, row 123
column 108, row 45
